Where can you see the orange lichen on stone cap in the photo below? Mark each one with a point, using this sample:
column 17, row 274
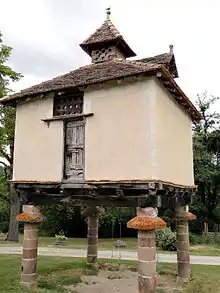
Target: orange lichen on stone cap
column 144, row 223
column 190, row 216
column 30, row 218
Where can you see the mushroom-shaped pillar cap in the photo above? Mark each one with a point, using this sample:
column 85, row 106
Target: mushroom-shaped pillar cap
column 30, row 218
column 191, row 216
column 186, row 215
column 145, row 223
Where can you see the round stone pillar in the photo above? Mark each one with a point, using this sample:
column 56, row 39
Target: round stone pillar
column 93, row 214
column 182, row 243
column 31, row 217
column 146, row 222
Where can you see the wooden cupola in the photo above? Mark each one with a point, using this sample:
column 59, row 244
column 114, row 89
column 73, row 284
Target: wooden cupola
column 106, row 43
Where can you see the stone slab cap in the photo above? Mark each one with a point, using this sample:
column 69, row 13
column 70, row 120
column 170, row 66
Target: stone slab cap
column 147, row 219
column 31, row 214
column 95, row 211
column 185, row 214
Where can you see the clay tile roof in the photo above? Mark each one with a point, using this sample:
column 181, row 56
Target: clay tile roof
column 106, row 33
column 162, row 59
column 89, row 74
column 166, row 59
column 101, row 72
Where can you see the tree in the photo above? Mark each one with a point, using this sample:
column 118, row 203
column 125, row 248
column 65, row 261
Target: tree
column 206, row 146
column 116, row 215
column 7, row 128
column 4, row 204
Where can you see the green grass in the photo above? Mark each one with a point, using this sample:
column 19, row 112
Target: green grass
column 54, row 273
column 206, row 250
column 108, row 244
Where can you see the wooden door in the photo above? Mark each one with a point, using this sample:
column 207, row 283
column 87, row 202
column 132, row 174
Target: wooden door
column 74, row 151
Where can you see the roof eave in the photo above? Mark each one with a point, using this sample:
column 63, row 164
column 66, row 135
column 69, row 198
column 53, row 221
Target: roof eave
column 196, row 115
column 176, row 74
column 118, row 41
column 127, row 48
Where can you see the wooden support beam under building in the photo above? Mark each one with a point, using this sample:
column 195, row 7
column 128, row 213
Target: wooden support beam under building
column 109, row 194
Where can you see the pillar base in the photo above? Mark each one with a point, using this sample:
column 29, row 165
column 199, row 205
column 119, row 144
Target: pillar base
column 31, row 217
column 28, row 285
column 147, row 285
column 180, row 282
column 94, row 269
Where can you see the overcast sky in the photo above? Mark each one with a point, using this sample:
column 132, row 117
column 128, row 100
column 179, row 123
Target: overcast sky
column 45, row 35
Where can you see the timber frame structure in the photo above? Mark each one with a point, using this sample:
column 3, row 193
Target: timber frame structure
column 123, row 193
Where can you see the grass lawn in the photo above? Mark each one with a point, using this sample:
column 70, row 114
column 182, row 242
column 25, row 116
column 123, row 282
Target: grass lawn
column 55, row 273
column 108, row 244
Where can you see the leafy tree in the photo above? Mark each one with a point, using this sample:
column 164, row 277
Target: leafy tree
column 116, row 215
column 206, row 146
column 4, row 204
column 7, row 127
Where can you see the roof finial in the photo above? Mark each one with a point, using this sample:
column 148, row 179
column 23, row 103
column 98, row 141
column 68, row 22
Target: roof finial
column 171, row 49
column 108, row 12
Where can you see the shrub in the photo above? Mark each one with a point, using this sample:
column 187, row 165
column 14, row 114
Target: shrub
column 166, row 239
column 195, row 239
column 217, row 239
column 210, row 238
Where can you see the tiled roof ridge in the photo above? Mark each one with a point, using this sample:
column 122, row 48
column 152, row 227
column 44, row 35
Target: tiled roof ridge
column 112, row 30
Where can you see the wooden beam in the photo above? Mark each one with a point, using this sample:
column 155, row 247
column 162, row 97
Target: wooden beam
column 67, row 117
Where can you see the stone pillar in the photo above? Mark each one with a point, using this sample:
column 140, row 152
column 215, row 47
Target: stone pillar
column 93, row 213
column 29, row 258
column 147, row 261
column 182, row 243
column 31, row 216
column 146, row 223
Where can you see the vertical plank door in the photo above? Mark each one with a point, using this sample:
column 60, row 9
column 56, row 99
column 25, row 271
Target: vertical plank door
column 74, row 151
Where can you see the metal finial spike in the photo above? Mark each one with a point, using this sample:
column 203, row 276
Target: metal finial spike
column 108, row 12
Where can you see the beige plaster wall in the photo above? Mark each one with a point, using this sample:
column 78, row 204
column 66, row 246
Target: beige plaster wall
column 138, row 132
column 173, row 153
column 38, row 152
column 118, row 138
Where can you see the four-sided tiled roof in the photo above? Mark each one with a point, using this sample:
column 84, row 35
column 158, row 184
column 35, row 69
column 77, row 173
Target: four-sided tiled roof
column 162, row 66
column 105, row 34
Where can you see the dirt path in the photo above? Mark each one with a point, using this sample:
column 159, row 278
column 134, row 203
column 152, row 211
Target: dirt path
column 120, row 282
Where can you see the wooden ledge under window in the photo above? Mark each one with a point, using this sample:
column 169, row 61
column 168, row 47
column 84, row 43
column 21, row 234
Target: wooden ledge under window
column 67, row 117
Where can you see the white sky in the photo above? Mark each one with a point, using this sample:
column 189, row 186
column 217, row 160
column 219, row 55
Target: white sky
column 45, row 35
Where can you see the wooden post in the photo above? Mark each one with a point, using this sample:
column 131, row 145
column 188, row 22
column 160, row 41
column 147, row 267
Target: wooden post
column 146, row 223
column 182, row 243
column 31, row 216
column 93, row 213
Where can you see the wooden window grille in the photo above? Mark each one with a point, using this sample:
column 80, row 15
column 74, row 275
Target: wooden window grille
column 68, row 105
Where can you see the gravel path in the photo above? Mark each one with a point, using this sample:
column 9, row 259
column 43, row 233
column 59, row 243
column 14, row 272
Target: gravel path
column 126, row 255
